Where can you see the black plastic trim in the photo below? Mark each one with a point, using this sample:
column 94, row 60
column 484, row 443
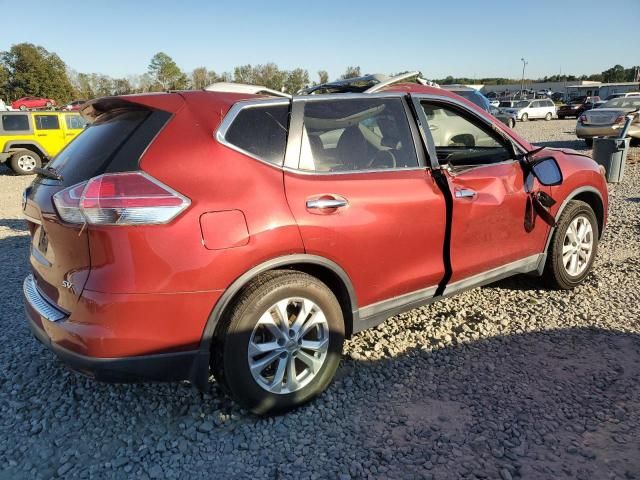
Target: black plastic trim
column 158, row 367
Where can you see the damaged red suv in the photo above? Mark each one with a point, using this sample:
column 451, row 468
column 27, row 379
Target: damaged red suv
column 194, row 232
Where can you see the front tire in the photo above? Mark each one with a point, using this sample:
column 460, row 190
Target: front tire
column 280, row 344
column 23, row 107
column 525, row 117
column 548, row 116
column 573, row 247
column 512, row 123
column 24, row 161
column 588, row 142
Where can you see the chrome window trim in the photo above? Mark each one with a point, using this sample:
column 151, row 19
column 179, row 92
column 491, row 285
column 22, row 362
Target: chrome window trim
column 39, row 303
column 493, row 126
column 296, row 124
column 234, row 111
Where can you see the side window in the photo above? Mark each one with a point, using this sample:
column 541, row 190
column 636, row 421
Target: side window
column 462, row 140
column 261, row 131
column 356, row 135
column 14, row 123
column 47, row 122
column 75, row 122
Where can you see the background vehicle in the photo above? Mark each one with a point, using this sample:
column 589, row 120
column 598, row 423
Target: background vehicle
column 618, row 95
column 483, row 102
column 3, row 106
column 576, row 106
column 607, row 120
column 27, row 139
column 357, row 194
column 531, row 109
column 28, row 103
column 73, row 106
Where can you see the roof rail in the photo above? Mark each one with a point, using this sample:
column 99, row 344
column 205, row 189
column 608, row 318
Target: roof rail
column 244, row 88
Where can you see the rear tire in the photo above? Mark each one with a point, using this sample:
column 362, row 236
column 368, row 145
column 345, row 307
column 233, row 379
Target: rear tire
column 573, row 247
column 561, row 117
column 24, row 161
column 548, row 116
column 588, row 142
column 23, row 107
column 512, row 123
column 525, row 117
column 254, row 352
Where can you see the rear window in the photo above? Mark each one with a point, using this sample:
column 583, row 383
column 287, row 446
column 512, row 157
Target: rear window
column 13, row 123
column 47, row 122
column 75, row 122
column 261, row 131
column 113, row 143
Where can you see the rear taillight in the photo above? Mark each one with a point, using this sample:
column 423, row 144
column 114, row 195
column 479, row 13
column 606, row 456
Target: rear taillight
column 619, row 119
column 583, row 119
column 131, row 198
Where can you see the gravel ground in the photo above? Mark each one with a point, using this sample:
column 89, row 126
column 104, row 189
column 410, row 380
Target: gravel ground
column 507, row 381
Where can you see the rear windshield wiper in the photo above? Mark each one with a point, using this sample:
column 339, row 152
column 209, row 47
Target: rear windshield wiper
column 48, row 172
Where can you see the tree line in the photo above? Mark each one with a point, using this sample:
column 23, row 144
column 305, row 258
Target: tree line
column 27, row 69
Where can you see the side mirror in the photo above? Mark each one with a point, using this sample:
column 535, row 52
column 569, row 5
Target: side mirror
column 547, row 171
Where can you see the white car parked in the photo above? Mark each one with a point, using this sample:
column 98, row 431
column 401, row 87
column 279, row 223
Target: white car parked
column 530, row 109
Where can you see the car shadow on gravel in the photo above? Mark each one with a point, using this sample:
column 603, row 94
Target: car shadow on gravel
column 552, row 404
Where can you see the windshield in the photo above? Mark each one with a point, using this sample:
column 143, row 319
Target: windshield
column 577, row 100
column 629, row 103
column 475, row 97
column 522, row 104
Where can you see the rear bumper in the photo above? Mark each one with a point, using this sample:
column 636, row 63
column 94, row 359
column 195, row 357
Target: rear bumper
column 161, row 367
column 59, row 333
column 589, row 131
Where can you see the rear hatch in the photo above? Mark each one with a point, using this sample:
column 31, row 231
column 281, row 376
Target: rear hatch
column 120, row 132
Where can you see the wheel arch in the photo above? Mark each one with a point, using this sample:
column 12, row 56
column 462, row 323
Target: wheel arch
column 27, row 145
column 322, row 268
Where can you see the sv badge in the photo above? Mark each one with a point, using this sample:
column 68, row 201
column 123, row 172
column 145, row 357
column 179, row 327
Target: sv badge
column 67, row 284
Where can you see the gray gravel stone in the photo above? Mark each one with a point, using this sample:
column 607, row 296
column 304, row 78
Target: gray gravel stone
column 507, row 381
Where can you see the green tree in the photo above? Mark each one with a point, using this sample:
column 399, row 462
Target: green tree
column 351, row 72
column 200, row 78
column 244, row 74
column 614, row 74
column 32, row 70
column 4, row 82
column 324, row 76
column 166, row 73
column 270, row 76
column 121, row 86
column 296, row 80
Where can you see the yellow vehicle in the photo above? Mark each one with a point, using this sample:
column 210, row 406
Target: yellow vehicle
column 29, row 139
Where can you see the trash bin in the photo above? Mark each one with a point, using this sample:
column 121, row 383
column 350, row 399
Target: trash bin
column 611, row 153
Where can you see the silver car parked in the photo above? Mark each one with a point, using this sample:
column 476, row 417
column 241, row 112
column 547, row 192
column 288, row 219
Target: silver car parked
column 530, row 109
column 607, row 120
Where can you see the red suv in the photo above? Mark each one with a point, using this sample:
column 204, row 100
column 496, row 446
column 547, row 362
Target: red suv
column 189, row 232
column 25, row 103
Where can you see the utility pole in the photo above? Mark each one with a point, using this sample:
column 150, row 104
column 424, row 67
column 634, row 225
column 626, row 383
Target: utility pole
column 524, row 64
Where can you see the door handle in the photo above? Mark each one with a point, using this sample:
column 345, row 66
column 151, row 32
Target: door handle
column 465, row 193
column 327, row 203
column 42, row 134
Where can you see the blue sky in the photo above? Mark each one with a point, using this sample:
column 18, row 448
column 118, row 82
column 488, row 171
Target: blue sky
column 459, row 37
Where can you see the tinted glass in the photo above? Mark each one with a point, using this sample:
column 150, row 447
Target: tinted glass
column 47, row 122
column 462, row 140
column 475, row 97
column 261, row 131
column 75, row 122
column 358, row 134
column 12, row 123
column 623, row 102
column 93, row 150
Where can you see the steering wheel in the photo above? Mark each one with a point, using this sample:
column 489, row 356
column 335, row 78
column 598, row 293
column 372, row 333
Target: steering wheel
column 383, row 159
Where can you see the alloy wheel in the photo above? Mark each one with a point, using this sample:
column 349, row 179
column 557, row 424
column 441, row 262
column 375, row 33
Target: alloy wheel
column 27, row 163
column 577, row 246
column 288, row 345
